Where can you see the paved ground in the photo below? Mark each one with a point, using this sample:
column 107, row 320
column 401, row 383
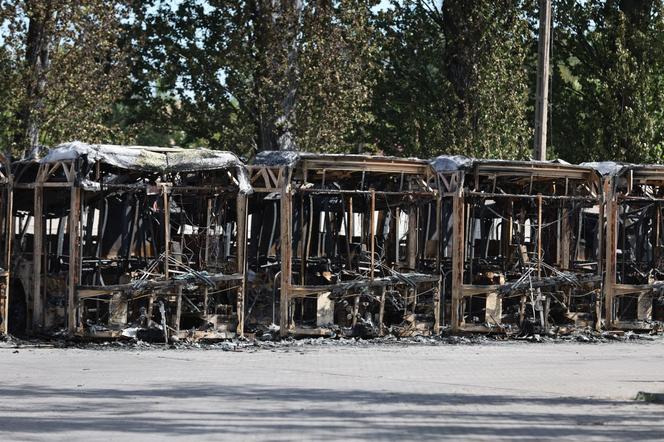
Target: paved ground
column 491, row 391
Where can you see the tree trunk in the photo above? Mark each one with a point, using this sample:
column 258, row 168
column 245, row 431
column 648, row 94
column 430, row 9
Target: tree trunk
column 638, row 12
column 292, row 10
column 264, row 122
column 37, row 59
column 275, row 88
column 457, row 34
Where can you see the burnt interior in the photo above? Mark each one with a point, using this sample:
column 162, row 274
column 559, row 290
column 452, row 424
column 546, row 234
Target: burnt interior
column 533, row 237
column 366, row 239
column 155, row 250
column 348, row 245
column 639, row 244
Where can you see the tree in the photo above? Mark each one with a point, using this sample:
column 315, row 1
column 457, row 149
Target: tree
column 68, row 70
column 608, row 98
column 455, row 78
column 257, row 75
column 486, row 64
column 336, row 63
column 9, row 100
column 411, row 98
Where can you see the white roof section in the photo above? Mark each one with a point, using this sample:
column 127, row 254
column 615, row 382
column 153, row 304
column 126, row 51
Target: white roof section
column 152, row 159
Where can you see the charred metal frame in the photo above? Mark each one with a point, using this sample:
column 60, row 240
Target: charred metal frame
column 171, row 243
column 506, row 214
column 131, row 240
column 333, row 282
column 634, row 279
column 6, row 227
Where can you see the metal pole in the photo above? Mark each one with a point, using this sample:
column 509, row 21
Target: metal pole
column 542, row 97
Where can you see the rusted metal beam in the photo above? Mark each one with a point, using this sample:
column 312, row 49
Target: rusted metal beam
column 286, row 245
column 539, row 235
column 611, row 246
column 372, row 232
column 565, row 242
column 241, row 259
column 531, row 197
column 166, row 228
column 37, row 255
column 73, row 228
column 9, row 232
column 405, row 193
column 458, row 257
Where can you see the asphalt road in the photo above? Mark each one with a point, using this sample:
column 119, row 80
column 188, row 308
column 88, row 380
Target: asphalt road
column 495, row 391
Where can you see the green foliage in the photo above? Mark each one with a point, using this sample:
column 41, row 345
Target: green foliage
column 410, row 103
column 337, row 55
column 454, row 79
column 415, row 78
column 257, row 75
column 487, row 44
column 609, row 81
column 9, row 99
column 63, row 70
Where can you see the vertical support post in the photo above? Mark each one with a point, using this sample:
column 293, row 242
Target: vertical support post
column 74, row 252
column 397, row 235
column 206, row 252
column 412, row 237
column 372, row 230
column 286, row 245
column 241, row 259
column 458, row 257
column 657, row 249
column 565, row 240
column 439, row 239
column 539, row 235
column 37, row 254
column 601, row 248
column 610, row 252
column 411, row 249
column 167, row 228
column 208, row 222
column 439, row 232
column 506, row 231
column 301, row 242
column 9, row 229
column 351, row 218
column 349, row 228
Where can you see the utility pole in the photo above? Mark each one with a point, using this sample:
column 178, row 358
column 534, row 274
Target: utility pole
column 542, row 98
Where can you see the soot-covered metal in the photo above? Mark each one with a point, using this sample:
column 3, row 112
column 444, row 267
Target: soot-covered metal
column 130, row 241
column 168, row 243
